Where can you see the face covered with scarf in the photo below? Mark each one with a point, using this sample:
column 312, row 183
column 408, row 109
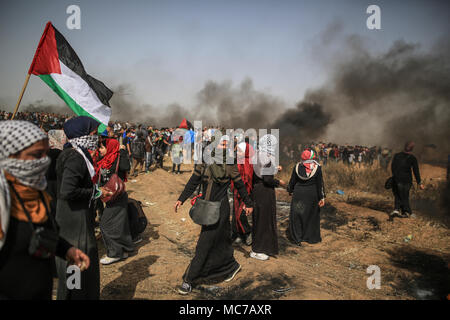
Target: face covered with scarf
column 219, row 158
column 23, row 159
column 81, row 133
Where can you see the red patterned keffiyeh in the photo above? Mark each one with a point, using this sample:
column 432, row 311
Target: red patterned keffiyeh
column 308, row 160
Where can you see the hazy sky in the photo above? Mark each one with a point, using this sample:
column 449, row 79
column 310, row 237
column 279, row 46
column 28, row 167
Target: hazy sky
column 166, row 50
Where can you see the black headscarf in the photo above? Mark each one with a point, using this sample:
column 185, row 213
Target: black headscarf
column 80, row 126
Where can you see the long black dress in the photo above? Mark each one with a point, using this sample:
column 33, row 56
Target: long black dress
column 304, row 218
column 264, row 230
column 214, row 257
column 114, row 223
column 75, row 216
column 51, row 174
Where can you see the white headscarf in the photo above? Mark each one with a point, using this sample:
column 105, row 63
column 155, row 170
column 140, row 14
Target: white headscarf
column 16, row 136
column 266, row 163
column 56, row 139
column 242, row 146
column 267, row 144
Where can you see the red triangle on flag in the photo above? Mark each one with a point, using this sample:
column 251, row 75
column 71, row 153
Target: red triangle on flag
column 183, row 124
column 46, row 59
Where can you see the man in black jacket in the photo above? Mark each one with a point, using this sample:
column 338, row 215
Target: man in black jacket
column 401, row 166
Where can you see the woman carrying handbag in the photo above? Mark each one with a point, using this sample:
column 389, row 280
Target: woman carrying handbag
column 112, row 165
column 214, row 254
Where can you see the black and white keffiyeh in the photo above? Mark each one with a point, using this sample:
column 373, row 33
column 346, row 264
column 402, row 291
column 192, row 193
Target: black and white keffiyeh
column 16, row 136
column 79, row 134
column 89, row 142
column 85, row 142
column 30, row 173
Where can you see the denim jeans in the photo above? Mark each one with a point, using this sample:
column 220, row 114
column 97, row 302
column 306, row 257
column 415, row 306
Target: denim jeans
column 148, row 160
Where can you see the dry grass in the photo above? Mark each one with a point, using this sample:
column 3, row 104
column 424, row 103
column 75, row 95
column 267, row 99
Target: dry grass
column 338, row 176
column 364, row 186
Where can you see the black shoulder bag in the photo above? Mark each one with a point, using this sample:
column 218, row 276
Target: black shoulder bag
column 205, row 212
column 43, row 241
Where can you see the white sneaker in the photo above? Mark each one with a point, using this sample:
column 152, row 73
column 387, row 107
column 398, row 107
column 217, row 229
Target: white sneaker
column 259, row 256
column 395, row 213
column 237, row 241
column 108, row 260
column 233, row 274
column 137, row 240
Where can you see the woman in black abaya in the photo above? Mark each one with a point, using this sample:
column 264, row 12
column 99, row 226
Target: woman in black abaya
column 114, row 223
column 264, row 231
column 75, row 213
column 214, row 257
column 306, row 184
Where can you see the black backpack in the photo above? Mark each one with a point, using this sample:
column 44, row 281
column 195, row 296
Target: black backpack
column 137, row 218
column 138, row 149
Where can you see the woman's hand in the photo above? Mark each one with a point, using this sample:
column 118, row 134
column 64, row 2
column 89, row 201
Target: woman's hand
column 421, row 186
column 321, row 203
column 178, row 204
column 77, row 257
column 282, row 183
column 280, row 168
column 92, row 153
column 248, row 211
column 106, row 192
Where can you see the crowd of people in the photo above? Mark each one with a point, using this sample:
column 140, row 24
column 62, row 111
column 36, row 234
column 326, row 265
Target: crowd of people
column 350, row 155
column 54, row 183
column 45, row 120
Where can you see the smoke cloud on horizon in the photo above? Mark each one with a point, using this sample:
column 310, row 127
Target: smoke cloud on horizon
column 385, row 98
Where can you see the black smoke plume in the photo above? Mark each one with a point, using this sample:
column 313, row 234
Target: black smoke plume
column 304, row 123
column 370, row 98
column 218, row 104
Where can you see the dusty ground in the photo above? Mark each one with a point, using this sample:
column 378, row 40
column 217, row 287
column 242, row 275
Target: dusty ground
column 355, row 234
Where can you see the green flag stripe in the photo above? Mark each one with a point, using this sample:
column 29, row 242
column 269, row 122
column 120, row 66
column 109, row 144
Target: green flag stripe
column 79, row 111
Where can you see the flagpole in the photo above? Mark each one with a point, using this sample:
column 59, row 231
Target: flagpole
column 21, row 95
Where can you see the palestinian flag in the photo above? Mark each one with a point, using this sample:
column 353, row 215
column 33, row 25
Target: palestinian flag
column 185, row 124
column 57, row 64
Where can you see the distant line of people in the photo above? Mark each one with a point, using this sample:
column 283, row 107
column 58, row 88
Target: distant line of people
column 348, row 155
